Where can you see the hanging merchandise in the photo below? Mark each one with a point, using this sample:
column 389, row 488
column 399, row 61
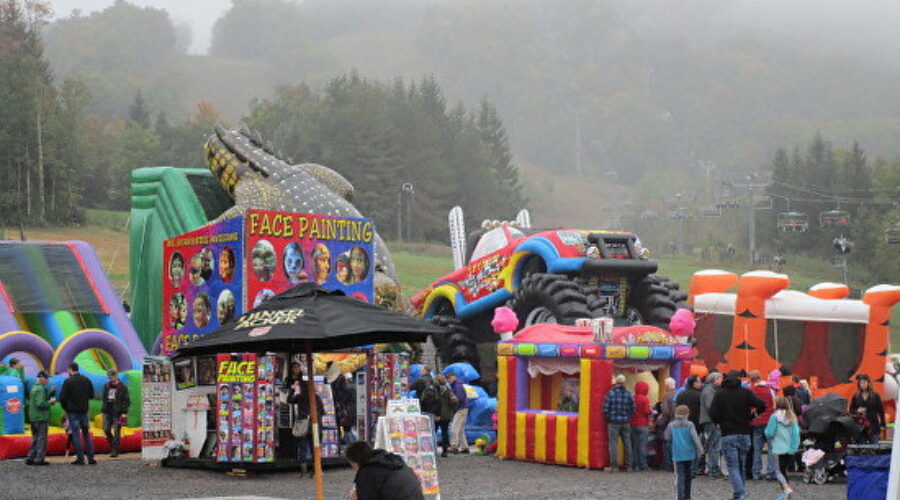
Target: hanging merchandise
column 390, row 373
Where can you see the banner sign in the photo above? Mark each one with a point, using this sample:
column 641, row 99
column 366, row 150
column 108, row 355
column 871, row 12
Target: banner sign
column 285, row 249
column 202, row 282
column 214, row 274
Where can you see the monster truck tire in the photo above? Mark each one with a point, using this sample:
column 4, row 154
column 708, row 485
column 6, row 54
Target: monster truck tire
column 652, row 299
column 675, row 293
column 543, row 296
column 459, row 345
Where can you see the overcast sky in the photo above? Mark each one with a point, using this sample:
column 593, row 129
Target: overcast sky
column 199, row 14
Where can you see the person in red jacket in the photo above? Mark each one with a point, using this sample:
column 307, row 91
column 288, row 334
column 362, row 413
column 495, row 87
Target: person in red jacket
column 762, row 390
column 640, row 426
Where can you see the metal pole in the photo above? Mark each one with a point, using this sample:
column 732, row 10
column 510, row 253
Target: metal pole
column 314, row 422
column 400, row 215
column 752, row 228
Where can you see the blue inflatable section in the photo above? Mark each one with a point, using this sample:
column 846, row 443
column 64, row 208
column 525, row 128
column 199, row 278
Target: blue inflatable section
column 12, row 405
column 463, row 371
column 867, row 476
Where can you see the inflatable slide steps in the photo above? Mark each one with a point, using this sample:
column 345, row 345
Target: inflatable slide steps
column 165, row 202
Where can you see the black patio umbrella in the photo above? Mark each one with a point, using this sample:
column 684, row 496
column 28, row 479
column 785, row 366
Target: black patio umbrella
column 310, row 318
column 824, row 410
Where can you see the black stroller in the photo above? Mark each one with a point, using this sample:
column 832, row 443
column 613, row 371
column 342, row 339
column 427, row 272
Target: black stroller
column 830, row 430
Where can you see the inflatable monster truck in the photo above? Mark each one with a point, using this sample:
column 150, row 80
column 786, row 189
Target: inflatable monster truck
column 545, row 276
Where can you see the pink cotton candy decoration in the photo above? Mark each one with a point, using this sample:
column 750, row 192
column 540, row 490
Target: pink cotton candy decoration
column 682, row 323
column 505, row 320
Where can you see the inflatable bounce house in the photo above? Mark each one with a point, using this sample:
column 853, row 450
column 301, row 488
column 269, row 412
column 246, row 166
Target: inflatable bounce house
column 552, row 381
column 753, row 322
column 58, row 306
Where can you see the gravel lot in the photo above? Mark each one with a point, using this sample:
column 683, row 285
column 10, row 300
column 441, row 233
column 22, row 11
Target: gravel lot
column 461, row 477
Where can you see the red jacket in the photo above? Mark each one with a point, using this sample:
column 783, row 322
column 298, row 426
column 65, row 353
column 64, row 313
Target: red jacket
column 642, row 409
column 764, row 393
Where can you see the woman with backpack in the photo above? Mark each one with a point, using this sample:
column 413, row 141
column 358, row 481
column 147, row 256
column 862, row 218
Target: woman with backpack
column 446, row 408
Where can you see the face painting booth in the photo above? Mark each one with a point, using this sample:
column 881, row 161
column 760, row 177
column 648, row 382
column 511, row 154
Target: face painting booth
column 552, row 381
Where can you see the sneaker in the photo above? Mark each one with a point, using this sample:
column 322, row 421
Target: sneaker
column 42, row 462
column 609, row 469
column 78, row 462
column 29, row 461
column 91, row 461
column 114, row 454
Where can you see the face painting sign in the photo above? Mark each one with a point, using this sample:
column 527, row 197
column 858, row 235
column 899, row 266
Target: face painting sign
column 245, row 408
column 202, row 282
column 285, row 249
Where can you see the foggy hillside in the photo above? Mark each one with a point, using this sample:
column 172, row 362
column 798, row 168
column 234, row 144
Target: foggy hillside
column 694, row 86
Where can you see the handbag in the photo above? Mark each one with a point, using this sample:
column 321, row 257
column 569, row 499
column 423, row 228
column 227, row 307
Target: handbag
column 300, row 427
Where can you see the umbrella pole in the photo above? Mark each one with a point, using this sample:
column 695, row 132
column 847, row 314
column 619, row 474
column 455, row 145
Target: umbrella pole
column 314, row 422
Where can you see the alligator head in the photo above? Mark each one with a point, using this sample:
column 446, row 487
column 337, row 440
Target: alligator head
column 257, row 177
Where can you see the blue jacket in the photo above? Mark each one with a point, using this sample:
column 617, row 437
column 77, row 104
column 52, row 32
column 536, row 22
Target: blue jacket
column 618, row 405
column 685, row 442
column 783, row 434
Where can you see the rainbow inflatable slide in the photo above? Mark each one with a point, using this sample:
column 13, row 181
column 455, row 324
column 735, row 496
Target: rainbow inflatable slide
column 57, row 306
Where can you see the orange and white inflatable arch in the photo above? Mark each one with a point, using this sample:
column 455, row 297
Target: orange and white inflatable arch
column 819, row 321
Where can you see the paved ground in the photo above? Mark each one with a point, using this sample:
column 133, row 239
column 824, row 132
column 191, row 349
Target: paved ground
column 461, row 477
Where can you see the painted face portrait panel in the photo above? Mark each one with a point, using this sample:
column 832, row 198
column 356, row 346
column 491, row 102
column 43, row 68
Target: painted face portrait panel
column 293, row 263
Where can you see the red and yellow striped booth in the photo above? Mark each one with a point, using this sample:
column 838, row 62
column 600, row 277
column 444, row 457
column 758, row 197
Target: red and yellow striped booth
column 552, row 380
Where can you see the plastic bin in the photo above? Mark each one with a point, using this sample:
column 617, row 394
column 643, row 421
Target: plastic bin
column 868, row 468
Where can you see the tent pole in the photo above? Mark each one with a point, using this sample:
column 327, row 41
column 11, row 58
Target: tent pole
column 314, row 421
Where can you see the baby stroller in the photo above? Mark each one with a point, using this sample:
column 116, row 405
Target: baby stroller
column 831, row 430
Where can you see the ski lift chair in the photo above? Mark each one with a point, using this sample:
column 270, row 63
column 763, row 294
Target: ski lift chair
column 834, row 219
column 892, row 235
column 712, row 211
column 793, row 222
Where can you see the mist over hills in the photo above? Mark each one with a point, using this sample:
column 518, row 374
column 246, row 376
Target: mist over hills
column 693, row 86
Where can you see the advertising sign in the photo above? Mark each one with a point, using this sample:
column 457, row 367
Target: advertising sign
column 156, row 401
column 202, row 282
column 214, row 274
column 411, row 435
column 245, row 408
column 285, row 249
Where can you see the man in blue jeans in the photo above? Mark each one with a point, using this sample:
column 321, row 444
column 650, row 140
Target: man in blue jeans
column 617, row 408
column 732, row 409
column 76, row 392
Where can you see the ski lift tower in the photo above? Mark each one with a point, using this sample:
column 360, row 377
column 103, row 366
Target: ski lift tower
column 754, row 182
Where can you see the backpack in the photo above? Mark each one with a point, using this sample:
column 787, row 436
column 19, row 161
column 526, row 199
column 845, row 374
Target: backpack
column 428, row 400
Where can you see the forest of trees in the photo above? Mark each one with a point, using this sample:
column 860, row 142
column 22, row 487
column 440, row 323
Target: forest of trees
column 64, row 155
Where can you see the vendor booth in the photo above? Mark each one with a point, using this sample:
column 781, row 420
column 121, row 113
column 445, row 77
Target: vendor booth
column 244, row 407
column 552, row 380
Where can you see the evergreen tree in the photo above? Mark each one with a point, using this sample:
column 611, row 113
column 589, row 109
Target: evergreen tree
column 494, row 139
column 138, row 111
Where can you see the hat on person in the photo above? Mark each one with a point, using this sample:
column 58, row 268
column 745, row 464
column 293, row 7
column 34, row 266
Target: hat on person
column 43, row 374
column 111, row 373
column 620, row 379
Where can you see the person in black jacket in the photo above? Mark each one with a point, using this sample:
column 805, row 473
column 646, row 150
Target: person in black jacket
column 381, row 475
column 115, row 405
column 867, row 403
column 690, row 397
column 732, row 410
column 299, row 400
column 76, row 392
